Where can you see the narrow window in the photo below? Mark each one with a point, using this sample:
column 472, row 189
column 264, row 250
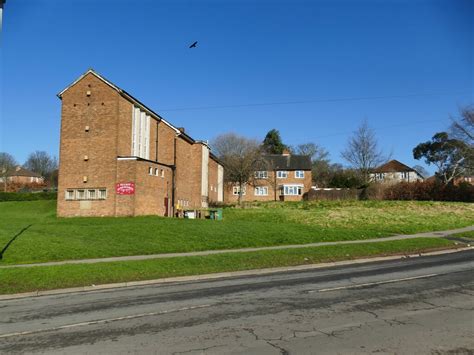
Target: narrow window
column 156, row 171
column 80, row 194
column 69, row 194
column 91, row 194
column 102, row 194
column 150, row 171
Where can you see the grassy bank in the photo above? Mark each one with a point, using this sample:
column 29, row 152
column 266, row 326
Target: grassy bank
column 16, row 280
column 265, row 224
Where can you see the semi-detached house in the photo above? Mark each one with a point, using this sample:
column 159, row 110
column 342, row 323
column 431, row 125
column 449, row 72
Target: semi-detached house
column 120, row 158
column 284, row 177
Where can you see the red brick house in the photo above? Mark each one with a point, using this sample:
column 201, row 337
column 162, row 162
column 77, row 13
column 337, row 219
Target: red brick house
column 20, row 175
column 286, row 178
column 120, row 158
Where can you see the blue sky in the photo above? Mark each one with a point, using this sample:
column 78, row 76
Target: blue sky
column 412, row 60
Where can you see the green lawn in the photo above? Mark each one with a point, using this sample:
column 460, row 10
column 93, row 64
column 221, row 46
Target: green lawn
column 15, row 280
column 464, row 235
column 262, row 224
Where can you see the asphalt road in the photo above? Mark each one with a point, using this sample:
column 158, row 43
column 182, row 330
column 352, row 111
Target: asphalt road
column 419, row 305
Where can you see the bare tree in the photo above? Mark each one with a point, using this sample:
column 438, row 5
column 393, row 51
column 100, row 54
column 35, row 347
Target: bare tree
column 7, row 164
column 421, row 170
column 462, row 128
column 363, row 152
column 319, row 160
column 42, row 163
column 312, row 150
column 241, row 158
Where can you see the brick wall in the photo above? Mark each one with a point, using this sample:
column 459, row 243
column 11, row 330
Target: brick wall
column 98, row 145
column 93, row 152
column 271, row 184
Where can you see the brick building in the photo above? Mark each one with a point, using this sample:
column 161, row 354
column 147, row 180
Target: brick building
column 21, row 175
column 286, row 178
column 119, row 158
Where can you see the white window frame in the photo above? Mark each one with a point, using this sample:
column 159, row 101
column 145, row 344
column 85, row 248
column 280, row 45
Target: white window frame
column 282, row 174
column 150, row 170
column 292, row 190
column 236, row 189
column 70, row 194
column 88, row 194
column 261, row 174
column 78, row 197
column 156, row 172
column 299, row 174
column 261, row 191
column 91, row 194
column 102, row 194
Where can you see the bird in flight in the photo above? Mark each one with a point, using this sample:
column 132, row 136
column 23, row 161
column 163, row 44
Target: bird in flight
column 193, row 45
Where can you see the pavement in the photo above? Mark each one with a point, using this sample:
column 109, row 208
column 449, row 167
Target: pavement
column 418, row 305
column 438, row 234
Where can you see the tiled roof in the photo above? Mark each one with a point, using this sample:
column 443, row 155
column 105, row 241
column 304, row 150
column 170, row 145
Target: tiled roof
column 393, row 166
column 21, row 171
column 288, row 162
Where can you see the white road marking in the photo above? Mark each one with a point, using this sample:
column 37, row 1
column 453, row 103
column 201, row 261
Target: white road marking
column 372, row 283
column 101, row 321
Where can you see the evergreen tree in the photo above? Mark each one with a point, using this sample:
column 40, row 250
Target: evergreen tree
column 272, row 144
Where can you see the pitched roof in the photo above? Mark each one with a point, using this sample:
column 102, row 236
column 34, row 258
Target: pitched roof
column 129, row 97
column 21, row 171
column 288, row 162
column 393, row 166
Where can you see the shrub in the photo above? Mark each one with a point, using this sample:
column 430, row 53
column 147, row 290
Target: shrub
column 27, row 196
column 430, row 191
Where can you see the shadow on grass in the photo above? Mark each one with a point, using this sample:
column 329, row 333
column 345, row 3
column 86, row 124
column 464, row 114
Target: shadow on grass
column 11, row 240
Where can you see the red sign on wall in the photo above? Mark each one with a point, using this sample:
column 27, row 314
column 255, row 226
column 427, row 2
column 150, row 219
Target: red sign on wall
column 125, row 188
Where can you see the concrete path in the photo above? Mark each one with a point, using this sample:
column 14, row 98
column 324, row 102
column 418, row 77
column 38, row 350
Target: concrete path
column 438, row 234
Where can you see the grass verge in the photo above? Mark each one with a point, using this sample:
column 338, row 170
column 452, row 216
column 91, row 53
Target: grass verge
column 261, row 224
column 16, row 280
column 465, row 235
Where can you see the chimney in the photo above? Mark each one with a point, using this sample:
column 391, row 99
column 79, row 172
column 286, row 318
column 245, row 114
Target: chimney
column 286, row 152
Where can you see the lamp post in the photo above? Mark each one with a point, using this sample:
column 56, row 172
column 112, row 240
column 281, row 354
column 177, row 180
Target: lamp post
column 2, row 2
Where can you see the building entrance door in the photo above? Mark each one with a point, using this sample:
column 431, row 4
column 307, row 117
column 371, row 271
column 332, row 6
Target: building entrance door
column 166, row 206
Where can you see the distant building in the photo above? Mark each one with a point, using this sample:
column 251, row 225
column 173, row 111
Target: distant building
column 286, row 177
column 20, row 175
column 464, row 179
column 120, row 158
column 394, row 172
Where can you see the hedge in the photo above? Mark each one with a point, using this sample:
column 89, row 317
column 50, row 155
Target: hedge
column 27, row 196
column 430, row 191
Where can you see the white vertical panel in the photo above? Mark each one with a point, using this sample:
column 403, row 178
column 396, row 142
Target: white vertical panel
column 136, row 122
column 220, row 183
column 147, row 138
column 205, row 173
column 133, row 131
column 141, row 153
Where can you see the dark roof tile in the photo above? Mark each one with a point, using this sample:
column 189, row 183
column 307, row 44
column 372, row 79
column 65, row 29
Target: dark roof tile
column 288, row 162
